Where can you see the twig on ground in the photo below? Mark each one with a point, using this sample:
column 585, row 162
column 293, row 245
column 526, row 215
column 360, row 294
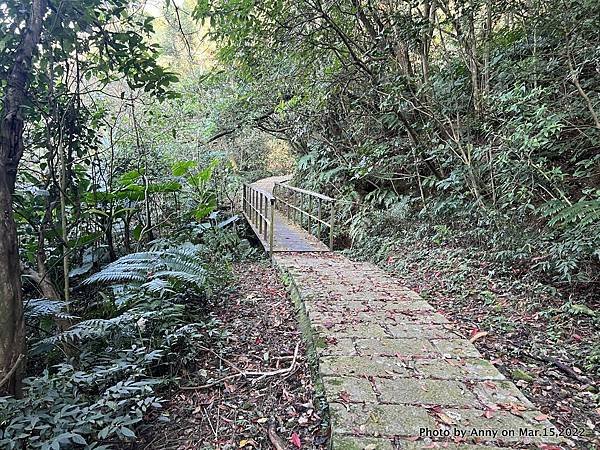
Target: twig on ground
column 209, row 422
column 229, row 363
column 260, row 375
column 559, row 365
column 211, row 384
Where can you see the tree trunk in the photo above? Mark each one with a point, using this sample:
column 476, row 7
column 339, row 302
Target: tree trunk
column 12, row 328
column 43, row 276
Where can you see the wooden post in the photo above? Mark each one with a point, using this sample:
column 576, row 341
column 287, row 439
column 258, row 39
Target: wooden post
column 260, row 208
column 302, row 209
column 272, row 226
column 244, row 198
column 331, row 222
column 264, row 217
column 255, row 204
column 310, row 204
column 319, row 224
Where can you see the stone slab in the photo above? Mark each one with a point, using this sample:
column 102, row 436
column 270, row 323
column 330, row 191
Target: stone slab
column 425, row 391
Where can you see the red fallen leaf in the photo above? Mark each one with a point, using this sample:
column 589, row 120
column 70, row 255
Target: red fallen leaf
column 541, row 417
column 577, row 337
column 474, row 331
column 295, row 439
column 565, row 408
column 488, row 413
column 344, row 396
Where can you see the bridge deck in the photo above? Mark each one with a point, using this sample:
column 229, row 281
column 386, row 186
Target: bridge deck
column 287, row 237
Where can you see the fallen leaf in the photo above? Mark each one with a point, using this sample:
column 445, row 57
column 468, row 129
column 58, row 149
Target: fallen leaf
column 541, row 417
column 445, row 418
column 302, row 420
column 295, row 439
column 344, row 396
column 275, row 439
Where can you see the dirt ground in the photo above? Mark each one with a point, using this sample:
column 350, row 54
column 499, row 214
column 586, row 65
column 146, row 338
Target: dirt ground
column 253, row 388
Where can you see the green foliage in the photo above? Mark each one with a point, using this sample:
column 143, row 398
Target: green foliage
column 74, row 407
column 473, row 122
column 116, row 365
column 44, row 308
column 159, row 271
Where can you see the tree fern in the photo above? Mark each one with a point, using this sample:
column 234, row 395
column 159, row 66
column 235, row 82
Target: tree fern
column 176, row 269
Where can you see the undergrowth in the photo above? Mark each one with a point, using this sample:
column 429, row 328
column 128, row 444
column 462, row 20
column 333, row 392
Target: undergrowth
column 107, row 358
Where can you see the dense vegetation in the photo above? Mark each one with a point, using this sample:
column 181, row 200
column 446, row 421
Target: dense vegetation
column 124, row 138
column 480, row 116
column 123, row 240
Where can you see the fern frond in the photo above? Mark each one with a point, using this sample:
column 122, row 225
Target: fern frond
column 37, row 308
column 583, row 213
column 87, row 329
column 156, row 271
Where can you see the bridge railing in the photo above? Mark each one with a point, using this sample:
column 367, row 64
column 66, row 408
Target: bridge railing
column 310, row 210
column 259, row 209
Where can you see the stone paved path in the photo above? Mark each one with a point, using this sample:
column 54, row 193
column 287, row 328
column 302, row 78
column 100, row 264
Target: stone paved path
column 393, row 370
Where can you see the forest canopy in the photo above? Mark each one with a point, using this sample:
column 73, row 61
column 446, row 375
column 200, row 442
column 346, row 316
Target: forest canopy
column 485, row 111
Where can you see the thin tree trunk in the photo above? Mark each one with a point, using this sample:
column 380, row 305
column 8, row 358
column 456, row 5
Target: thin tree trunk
column 12, row 327
column 44, row 282
column 63, row 216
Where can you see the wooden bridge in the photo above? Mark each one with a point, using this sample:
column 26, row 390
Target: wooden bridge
column 289, row 219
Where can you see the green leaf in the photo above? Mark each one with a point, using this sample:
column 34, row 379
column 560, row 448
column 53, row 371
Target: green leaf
column 180, row 168
column 127, row 432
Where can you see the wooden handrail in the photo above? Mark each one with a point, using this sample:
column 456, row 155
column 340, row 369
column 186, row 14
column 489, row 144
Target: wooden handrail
column 304, row 191
column 306, row 208
column 259, row 208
